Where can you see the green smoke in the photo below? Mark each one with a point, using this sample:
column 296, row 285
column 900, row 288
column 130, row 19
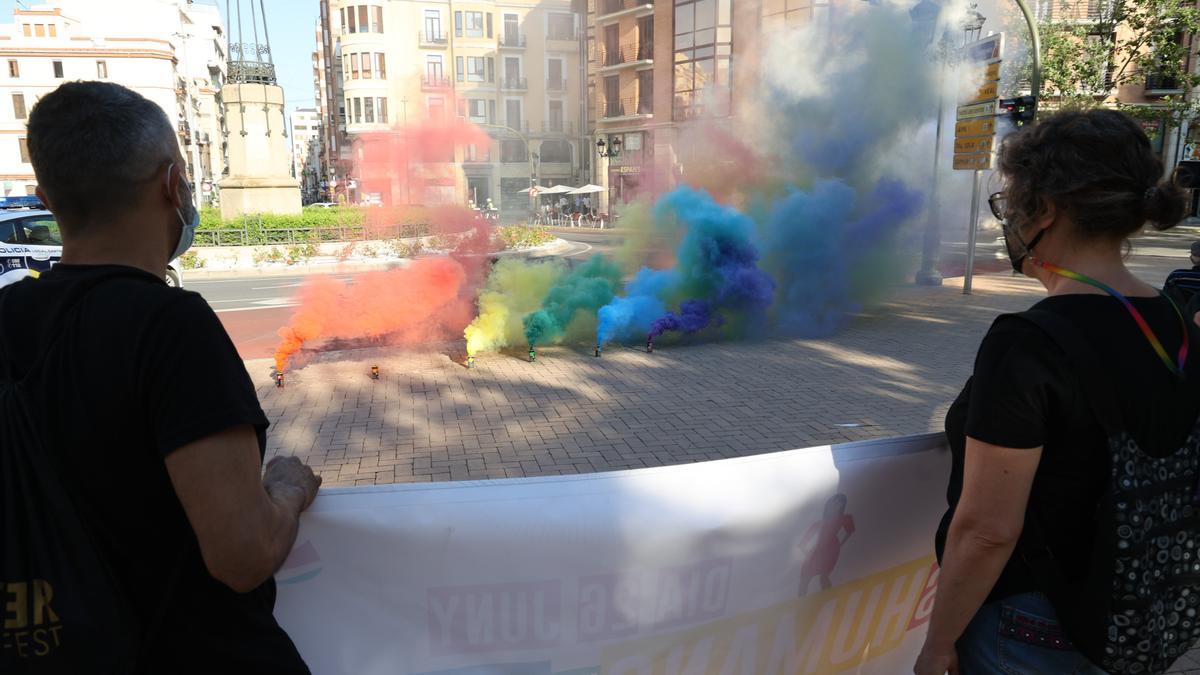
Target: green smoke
column 585, row 289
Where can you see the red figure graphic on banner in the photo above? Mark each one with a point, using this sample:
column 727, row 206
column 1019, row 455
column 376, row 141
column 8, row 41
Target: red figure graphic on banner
column 822, row 543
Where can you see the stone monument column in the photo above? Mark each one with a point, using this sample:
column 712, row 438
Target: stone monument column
column 259, row 178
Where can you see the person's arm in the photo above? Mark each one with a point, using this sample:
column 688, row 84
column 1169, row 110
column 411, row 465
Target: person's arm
column 245, row 524
column 987, row 523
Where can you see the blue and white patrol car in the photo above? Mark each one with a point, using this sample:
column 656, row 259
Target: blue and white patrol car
column 30, row 242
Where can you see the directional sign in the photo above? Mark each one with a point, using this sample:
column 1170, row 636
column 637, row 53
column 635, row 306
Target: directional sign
column 970, row 146
column 973, row 110
column 976, row 162
column 983, row 126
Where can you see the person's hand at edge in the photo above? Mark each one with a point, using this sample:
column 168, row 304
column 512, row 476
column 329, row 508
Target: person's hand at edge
column 288, row 480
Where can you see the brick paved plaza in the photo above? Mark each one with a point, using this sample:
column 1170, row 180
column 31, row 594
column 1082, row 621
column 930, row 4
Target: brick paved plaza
column 891, row 371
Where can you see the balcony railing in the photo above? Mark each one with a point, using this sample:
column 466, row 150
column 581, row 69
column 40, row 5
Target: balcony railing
column 1074, row 11
column 519, row 125
column 512, row 40
column 557, row 127
column 562, row 35
column 428, row 39
column 627, row 53
column 625, row 107
column 514, row 84
column 559, row 84
column 434, row 82
column 479, row 158
column 606, row 7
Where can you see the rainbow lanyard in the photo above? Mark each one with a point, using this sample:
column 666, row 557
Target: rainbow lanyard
column 1176, row 368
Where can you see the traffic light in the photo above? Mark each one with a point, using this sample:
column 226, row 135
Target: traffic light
column 1020, row 110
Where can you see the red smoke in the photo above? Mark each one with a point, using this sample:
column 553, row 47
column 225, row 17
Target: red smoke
column 414, row 164
column 408, row 305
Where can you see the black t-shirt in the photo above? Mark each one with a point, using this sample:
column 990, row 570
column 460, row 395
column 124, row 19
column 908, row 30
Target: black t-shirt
column 1024, row 394
column 146, row 370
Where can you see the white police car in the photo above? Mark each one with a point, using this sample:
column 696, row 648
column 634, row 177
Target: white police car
column 30, row 244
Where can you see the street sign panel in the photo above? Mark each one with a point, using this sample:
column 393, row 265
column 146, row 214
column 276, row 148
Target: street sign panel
column 992, row 72
column 969, row 146
column 973, row 110
column 983, row 126
column 977, row 162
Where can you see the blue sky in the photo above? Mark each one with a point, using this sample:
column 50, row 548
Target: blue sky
column 291, row 24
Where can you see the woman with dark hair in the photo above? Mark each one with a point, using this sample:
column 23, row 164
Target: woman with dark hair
column 1052, row 561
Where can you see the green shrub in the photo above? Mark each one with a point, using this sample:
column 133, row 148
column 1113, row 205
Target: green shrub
column 269, row 255
column 523, row 236
column 191, row 261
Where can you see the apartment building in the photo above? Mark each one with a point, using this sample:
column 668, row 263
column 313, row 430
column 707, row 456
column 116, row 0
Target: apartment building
column 171, row 52
column 306, row 136
column 656, row 69
column 513, row 69
column 334, row 158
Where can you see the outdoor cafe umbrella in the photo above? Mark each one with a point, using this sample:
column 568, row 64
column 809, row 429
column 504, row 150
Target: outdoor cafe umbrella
column 586, row 190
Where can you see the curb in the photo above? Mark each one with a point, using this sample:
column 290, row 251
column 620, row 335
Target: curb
column 551, row 248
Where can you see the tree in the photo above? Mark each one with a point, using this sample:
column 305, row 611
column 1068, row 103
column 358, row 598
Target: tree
column 1093, row 48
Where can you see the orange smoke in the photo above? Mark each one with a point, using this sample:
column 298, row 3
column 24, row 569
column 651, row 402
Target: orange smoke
column 427, row 300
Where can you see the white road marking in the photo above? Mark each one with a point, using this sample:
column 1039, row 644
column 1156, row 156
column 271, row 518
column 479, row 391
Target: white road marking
column 251, row 309
column 589, row 248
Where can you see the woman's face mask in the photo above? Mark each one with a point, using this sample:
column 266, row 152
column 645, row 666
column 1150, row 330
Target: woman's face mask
column 1018, row 250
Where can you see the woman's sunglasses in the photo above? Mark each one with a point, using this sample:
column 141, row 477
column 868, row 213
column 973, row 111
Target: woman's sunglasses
column 998, row 201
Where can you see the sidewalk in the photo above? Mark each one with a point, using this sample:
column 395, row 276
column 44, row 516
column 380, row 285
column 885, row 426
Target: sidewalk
column 891, row 372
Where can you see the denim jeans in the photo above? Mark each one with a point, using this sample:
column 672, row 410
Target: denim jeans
column 1019, row 635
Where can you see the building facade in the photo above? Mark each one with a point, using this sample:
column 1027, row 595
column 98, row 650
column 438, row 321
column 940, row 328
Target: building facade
column 512, row 69
column 139, row 44
column 327, row 87
column 307, row 137
column 657, row 69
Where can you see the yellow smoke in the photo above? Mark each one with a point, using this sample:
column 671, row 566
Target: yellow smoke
column 514, row 288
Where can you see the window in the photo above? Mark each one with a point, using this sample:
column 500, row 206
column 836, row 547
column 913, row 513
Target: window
column 512, row 113
column 377, row 19
column 491, row 69
column 364, row 25
column 381, row 111
column 14, row 70
column 30, row 190
column 433, row 25
column 473, row 24
column 342, row 11
column 555, row 117
column 512, row 32
column 19, row 106
column 475, row 69
column 554, row 75
column 458, row 24
column 58, row 69
column 477, row 109
column 23, row 145
column 352, row 22
column 358, row 111
column 345, row 66
column 437, row 108
column 102, row 69
column 489, row 24
column 645, row 92
column 459, row 67
column 645, row 38
column 381, row 66
column 354, row 66
column 41, row 231
column 560, row 27
column 513, row 151
column 433, row 70
column 702, row 58
column 27, row 30
column 556, row 150
column 512, row 71
column 369, row 110
column 612, row 96
column 39, row 30
column 366, row 65
column 53, row 30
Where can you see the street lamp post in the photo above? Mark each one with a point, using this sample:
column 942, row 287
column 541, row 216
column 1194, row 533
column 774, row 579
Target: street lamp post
column 924, row 16
column 608, row 151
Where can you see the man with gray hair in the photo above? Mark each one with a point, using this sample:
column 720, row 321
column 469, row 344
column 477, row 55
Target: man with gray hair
column 144, row 404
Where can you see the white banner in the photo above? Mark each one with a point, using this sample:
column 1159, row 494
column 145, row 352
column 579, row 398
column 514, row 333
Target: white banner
column 809, row 561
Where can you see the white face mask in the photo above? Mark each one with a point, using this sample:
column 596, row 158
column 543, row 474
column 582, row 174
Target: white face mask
column 189, row 225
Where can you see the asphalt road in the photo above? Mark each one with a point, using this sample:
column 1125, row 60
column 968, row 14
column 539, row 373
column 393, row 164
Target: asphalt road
column 254, row 308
